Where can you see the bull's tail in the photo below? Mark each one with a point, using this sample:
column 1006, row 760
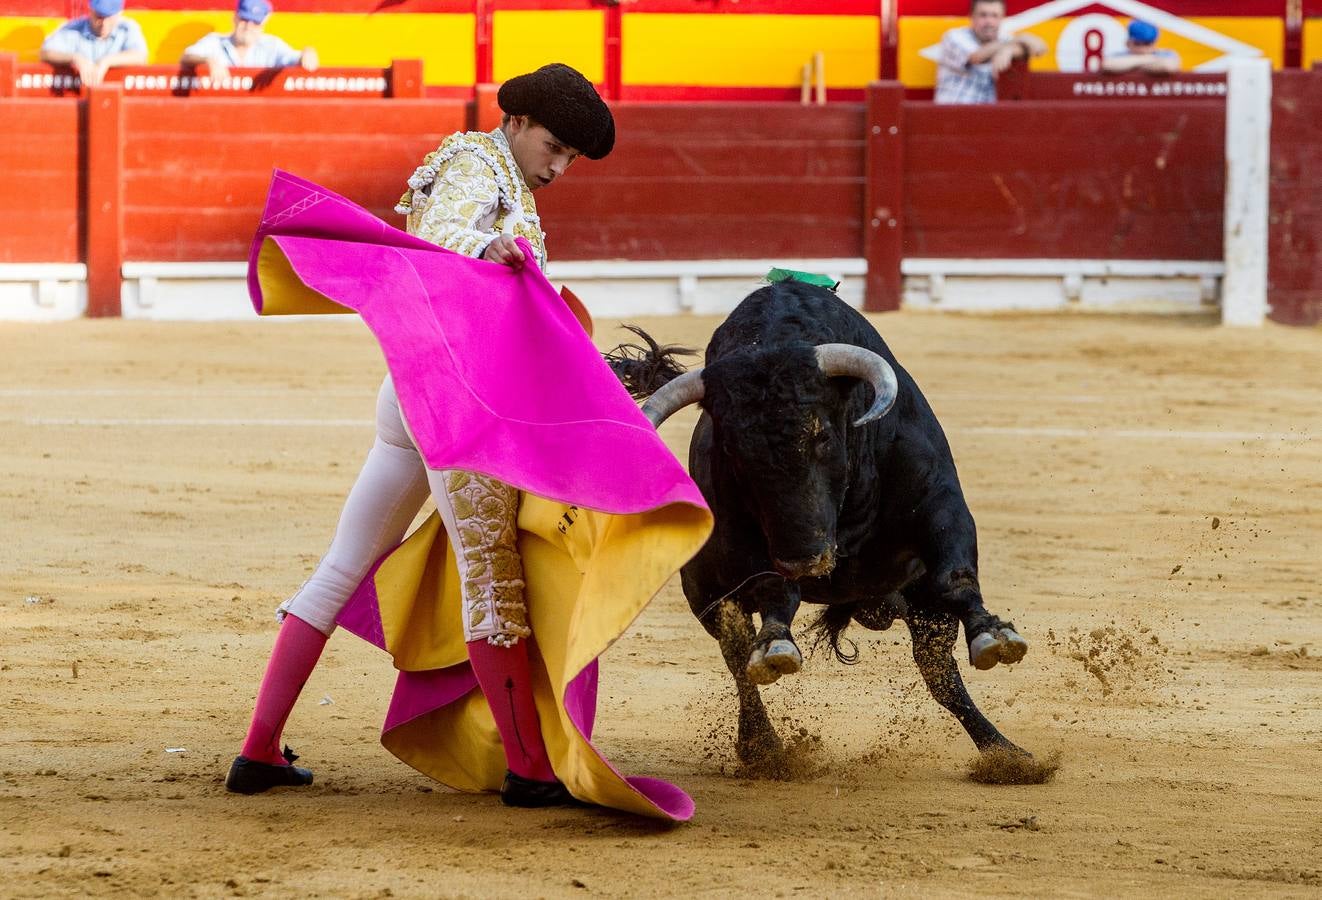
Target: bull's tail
column 829, row 628
column 644, row 369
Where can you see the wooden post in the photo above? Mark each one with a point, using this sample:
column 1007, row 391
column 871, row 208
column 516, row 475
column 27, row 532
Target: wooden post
column 105, row 198
column 486, row 111
column 888, row 40
column 1248, row 157
column 614, row 54
column 819, row 77
column 8, row 71
column 883, row 204
column 406, row 79
column 482, row 51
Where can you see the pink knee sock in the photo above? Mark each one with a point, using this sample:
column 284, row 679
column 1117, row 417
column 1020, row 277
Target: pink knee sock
column 506, row 682
column 297, row 648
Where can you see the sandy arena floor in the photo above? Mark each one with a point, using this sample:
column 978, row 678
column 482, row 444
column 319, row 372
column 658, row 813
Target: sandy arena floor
column 1148, row 495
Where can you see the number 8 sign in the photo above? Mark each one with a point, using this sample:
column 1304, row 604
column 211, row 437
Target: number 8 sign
column 1086, row 40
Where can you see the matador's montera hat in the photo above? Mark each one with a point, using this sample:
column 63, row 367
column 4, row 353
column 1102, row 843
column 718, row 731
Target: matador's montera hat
column 559, row 98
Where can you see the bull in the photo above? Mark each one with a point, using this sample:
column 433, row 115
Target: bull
column 832, row 483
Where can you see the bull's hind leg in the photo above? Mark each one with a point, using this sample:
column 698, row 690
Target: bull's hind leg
column 934, row 636
column 757, row 739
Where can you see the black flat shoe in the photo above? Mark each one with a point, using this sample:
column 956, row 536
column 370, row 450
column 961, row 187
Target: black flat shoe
column 529, row 794
column 250, row 777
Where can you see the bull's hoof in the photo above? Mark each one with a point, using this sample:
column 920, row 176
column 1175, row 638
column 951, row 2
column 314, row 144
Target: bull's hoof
column 777, row 658
column 1000, row 645
column 759, row 750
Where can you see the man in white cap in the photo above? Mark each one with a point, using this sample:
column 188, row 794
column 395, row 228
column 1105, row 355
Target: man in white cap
column 248, row 46
column 97, row 42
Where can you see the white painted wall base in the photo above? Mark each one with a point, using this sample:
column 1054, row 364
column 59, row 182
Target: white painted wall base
column 614, row 289
column 611, row 289
column 1055, row 284
column 42, row 292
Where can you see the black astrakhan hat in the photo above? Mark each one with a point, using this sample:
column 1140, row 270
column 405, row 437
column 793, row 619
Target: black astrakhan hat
column 559, row 98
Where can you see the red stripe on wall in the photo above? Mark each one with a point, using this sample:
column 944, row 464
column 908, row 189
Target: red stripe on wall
column 761, row 7
column 694, row 93
column 1175, row 7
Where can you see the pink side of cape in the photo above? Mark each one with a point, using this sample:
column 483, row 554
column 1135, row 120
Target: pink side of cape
column 494, row 375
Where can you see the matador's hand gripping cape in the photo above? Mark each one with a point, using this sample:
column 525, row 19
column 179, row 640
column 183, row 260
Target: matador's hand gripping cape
column 494, row 375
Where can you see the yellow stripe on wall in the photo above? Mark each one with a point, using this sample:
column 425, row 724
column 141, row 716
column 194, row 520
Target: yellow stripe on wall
column 443, row 41
column 526, row 40
column 919, row 32
column 747, row 50
column 22, row 35
column 1312, row 55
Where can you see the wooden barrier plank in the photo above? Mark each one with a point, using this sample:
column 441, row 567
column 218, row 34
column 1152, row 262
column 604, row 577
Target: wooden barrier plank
column 39, row 177
column 1294, row 276
column 702, row 181
column 197, row 170
column 1065, row 179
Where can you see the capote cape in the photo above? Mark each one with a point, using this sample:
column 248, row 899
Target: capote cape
column 494, row 375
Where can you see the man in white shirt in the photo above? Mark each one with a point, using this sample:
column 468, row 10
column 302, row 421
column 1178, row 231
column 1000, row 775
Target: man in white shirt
column 97, row 42
column 248, row 46
column 972, row 57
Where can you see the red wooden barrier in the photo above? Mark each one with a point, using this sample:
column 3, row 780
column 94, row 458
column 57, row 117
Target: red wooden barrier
column 1129, row 179
column 1021, row 84
column 403, row 79
column 716, row 180
column 1294, row 269
column 40, row 172
column 195, row 171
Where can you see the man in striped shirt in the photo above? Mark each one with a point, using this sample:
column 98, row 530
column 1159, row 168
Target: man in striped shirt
column 972, row 57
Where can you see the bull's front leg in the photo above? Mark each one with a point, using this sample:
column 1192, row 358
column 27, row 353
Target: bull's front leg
column 933, row 642
column 757, row 740
column 774, row 652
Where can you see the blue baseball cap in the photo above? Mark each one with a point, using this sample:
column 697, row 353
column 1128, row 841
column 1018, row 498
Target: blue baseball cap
column 253, row 10
column 1141, row 32
column 104, row 8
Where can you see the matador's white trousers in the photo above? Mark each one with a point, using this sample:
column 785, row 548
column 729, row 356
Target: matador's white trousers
column 479, row 514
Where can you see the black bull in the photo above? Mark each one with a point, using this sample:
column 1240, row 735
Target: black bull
column 825, row 493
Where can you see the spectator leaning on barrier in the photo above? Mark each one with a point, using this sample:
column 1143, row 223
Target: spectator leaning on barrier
column 97, row 42
column 1141, row 53
column 972, row 57
column 248, row 46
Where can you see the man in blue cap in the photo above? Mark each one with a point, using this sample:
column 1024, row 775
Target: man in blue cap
column 98, row 41
column 1142, row 54
column 247, row 46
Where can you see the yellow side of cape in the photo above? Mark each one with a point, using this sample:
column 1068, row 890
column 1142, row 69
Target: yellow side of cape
column 589, row 575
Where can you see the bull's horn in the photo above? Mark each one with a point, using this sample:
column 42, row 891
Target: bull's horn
column 846, row 359
column 674, row 396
